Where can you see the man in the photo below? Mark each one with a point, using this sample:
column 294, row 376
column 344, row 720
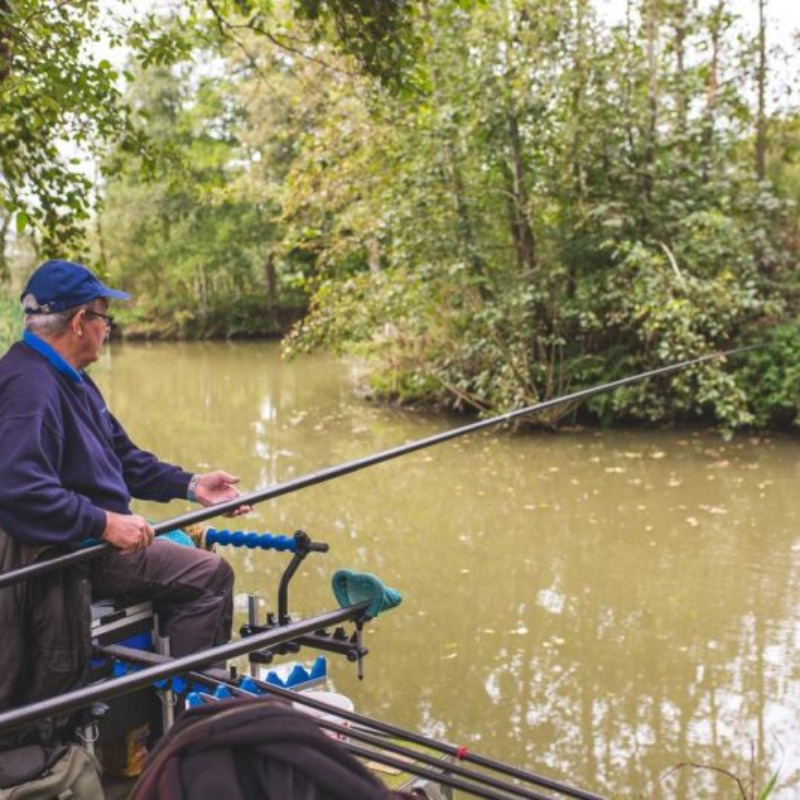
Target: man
column 68, row 470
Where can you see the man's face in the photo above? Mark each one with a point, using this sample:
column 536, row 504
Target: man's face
column 94, row 327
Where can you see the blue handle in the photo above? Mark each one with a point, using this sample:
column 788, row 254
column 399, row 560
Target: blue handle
column 262, row 541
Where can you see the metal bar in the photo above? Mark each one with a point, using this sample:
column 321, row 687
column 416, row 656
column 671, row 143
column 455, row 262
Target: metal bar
column 329, row 473
column 79, row 698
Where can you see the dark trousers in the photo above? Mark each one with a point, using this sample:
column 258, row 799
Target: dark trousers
column 191, row 590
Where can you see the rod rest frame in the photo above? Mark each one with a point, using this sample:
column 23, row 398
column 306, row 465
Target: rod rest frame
column 338, row 642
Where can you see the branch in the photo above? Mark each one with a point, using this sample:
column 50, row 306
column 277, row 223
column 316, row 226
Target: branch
column 226, row 27
column 673, row 262
column 710, row 767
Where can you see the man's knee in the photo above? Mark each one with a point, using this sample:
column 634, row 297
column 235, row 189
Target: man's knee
column 223, row 578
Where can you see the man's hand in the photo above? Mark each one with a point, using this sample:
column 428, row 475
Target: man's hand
column 218, row 487
column 128, row 532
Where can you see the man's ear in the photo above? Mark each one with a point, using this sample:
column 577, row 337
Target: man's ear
column 76, row 323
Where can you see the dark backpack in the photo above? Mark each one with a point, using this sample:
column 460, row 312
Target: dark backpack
column 248, row 748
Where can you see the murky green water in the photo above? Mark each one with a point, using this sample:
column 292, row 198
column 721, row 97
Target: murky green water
column 595, row 606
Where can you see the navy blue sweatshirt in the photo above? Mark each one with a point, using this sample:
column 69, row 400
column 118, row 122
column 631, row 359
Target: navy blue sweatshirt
column 63, row 457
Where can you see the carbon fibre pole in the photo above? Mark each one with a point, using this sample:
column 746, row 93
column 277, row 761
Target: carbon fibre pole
column 371, row 730
column 80, row 698
column 329, row 473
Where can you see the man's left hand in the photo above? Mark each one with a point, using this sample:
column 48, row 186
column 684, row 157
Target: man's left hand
column 218, row 487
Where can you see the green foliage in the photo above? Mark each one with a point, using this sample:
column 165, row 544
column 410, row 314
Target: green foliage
column 51, row 94
column 560, row 235
column 378, row 34
column 59, row 104
column 507, row 202
column 774, row 368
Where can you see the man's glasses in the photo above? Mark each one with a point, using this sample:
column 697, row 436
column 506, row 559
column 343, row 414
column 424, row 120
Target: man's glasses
column 108, row 320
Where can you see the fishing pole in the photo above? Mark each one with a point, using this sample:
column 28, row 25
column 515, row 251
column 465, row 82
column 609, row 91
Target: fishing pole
column 15, row 718
column 329, row 473
column 372, row 731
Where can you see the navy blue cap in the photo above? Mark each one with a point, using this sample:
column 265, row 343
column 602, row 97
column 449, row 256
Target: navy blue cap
column 58, row 285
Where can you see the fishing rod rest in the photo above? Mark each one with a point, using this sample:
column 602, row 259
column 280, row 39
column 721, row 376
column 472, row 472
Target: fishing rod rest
column 338, row 642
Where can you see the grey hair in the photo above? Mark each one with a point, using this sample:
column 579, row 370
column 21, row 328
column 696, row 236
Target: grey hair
column 46, row 324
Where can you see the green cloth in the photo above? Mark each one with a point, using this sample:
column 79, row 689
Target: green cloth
column 351, row 587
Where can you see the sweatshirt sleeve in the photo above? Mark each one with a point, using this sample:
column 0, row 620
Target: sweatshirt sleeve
column 34, row 506
column 146, row 477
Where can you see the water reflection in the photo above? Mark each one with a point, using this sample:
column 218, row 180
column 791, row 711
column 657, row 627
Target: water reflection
column 595, row 606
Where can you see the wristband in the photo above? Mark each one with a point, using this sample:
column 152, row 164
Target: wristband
column 191, row 491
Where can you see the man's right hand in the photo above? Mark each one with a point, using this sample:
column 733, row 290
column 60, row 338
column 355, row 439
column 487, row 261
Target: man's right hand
column 128, row 532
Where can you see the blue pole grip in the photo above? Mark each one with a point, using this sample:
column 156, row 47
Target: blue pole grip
column 251, row 540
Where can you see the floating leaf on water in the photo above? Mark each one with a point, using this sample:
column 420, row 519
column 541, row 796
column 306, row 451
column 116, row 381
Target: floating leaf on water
column 657, row 454
column 519, row 631
column 451, row 655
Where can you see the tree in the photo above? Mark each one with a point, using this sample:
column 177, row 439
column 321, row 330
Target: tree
column 56, row 97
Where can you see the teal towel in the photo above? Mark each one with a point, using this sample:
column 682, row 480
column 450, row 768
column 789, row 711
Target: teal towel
column 178, row 537
column 351, row 587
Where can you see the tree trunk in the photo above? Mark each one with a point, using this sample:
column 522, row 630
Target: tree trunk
column 5, row 41
column 681, row 99
column 522, row 233
column 5, row 272
column 271, row 281
column 451, row 166
column 761, row 79
column 374, row 255
column 651, row 115
column 578, row 88
column 711, row 91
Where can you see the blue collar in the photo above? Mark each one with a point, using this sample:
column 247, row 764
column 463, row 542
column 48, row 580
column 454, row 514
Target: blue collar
column 44, row 349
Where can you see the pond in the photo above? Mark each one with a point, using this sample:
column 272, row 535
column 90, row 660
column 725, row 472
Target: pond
column 597, row 606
